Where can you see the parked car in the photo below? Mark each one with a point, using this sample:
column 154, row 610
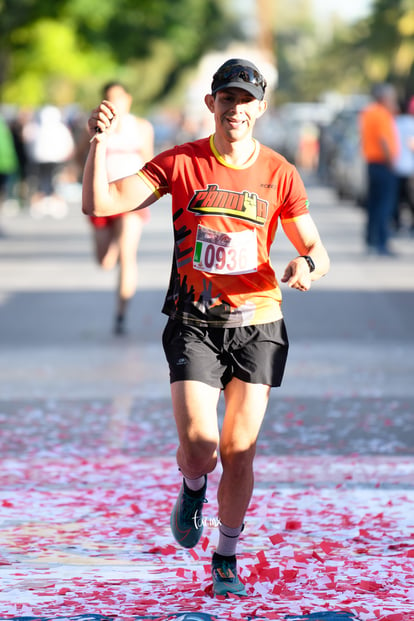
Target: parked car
column 341, row 161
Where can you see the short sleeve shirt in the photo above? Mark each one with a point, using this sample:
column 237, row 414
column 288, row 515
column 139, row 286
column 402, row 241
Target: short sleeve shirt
column 378, row 126
column 225, row 219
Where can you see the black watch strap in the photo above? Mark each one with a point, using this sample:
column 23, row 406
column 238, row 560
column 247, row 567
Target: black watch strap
column 309, row 261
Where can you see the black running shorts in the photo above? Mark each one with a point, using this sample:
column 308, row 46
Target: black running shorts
column 254, row 354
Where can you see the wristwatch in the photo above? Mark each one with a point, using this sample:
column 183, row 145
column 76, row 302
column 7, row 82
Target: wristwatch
column 309, row 261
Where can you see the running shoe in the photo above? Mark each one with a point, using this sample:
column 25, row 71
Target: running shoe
column 225, row 578
column 186, row 517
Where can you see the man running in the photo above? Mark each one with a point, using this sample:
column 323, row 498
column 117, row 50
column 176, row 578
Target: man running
column 225, row 330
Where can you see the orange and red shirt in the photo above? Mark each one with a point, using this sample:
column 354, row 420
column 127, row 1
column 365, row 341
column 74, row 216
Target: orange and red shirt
column 378, row 126
column 225, row 219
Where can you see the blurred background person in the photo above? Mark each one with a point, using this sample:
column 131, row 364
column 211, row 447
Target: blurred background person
column 308, row 147
column 380, row 148
column 50, row 146
column 404, row 166
column 116, row 238
column 21, row 186
column 8, row 161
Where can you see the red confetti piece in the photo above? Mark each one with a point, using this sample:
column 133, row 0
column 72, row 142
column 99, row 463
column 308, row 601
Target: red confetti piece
column 289, row 575
column 369, row 585
column 276, row 539
column 328, row 546
column 262, row 558
column 165, row 550
column 270, row 573
column 318, row 558
column 293, row 525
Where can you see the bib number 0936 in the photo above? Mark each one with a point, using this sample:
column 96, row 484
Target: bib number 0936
column 229, row 253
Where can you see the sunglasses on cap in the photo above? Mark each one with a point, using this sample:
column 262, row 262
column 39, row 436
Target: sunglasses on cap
column 239, row 72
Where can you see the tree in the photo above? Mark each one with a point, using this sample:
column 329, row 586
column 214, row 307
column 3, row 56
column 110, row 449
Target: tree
column 376, row 48
column 57, row 50
column 16, row 14
column 390, row 42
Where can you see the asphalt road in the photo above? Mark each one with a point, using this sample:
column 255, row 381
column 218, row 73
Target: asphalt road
column 87, row 440
column 352, row 335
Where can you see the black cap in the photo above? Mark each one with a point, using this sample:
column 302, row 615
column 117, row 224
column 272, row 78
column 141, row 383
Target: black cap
column 239, row 73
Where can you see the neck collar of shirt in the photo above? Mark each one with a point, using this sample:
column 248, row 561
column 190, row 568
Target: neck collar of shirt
column 221, row 159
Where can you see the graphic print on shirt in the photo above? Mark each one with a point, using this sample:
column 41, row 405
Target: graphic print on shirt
column 216, row 252
column 216, row 201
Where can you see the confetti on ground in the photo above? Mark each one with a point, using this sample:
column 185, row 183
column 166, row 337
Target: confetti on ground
column 84, row 527
column 92, row 536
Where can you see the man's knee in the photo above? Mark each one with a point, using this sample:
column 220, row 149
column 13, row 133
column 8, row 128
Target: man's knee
column 197, row 457
column 238, row 459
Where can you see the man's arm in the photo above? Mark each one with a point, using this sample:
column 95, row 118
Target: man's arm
column 389, row 155
column 304, row 236
column 100, row 198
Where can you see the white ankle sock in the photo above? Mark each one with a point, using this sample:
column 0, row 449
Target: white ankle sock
column 228, row 540
column 195, row 484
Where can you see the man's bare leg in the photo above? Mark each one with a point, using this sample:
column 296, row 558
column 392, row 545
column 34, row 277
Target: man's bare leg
column 245, row 408
column 195, row 411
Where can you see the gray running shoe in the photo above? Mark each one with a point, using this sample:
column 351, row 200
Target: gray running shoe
column 186, row 517
column 224, row 574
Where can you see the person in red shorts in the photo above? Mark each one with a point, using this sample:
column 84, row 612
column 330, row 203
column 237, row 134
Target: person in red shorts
column 116, row 237
column 225, row 330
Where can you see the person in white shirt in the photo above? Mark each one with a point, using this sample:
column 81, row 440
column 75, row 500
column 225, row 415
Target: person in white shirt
column 116, row 238
column 404, row 165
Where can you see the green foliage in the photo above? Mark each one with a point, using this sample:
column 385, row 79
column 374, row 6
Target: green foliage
column 61, row 50
column 376, row 48
column 391, row 44
column 17, row 13
column 48, row 63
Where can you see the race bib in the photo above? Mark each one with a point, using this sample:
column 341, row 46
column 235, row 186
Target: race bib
column 225, row 253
